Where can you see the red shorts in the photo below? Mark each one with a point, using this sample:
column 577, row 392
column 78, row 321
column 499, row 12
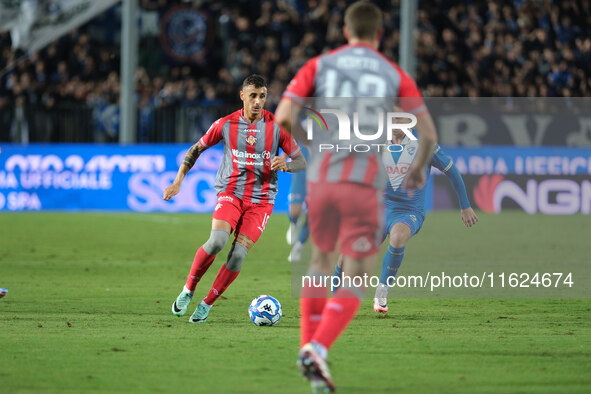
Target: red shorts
column 347, row 213
column 244, row 217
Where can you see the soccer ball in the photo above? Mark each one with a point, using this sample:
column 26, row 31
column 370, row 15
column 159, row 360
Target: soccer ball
column 3, row 292
column 264, row 311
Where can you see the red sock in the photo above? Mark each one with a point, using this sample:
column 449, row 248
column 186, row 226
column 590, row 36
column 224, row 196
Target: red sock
column 201, row 264
column 311, row 305
column 220, row 284
column 337, row 314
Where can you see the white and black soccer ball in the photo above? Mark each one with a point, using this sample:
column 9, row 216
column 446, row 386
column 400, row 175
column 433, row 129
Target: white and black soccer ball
column 265, row 311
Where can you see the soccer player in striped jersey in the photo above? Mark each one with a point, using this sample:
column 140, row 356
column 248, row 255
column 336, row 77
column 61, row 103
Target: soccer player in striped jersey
column 405, row 213
column 246, row 186
column 345, row 188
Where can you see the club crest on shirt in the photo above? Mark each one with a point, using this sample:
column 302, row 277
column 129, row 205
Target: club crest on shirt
column 362, row 244
column 251, row 139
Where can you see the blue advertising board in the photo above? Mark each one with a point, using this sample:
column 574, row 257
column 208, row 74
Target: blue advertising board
column 75, row 177
column 521, row 160
column 549, row 180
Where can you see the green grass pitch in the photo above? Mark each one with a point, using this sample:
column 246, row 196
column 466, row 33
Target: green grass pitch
column 88, row 310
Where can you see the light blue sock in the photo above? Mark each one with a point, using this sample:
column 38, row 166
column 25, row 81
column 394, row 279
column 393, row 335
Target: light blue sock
column 304, row 232
column 336, row 278
column 391, row 263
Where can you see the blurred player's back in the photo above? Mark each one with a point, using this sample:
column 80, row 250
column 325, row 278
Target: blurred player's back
column 346, row 95
column 355, row 70
column 354, row 78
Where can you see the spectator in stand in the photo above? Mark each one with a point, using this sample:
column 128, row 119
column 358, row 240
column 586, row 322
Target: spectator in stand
column 469, row 48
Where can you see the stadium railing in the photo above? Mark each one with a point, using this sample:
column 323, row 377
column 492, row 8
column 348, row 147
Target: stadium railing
column 84, row 123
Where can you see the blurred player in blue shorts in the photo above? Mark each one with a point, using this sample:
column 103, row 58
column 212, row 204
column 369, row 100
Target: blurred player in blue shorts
column 298, row 231
column 404, row 211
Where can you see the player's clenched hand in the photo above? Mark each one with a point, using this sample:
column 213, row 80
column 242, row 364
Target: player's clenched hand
column 279, row 164
column 171, row 191
column 469, row 217
column 415, row 179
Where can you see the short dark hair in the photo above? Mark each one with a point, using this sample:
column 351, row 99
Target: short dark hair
column 256, row 80
column 363, row 20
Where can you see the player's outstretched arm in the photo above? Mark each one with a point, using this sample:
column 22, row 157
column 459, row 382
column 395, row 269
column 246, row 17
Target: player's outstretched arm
column 469, row 217
column 444, row 163
column 297, row 164
column 188, row 162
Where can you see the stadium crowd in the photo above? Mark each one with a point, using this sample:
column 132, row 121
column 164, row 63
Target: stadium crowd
column 535, row 48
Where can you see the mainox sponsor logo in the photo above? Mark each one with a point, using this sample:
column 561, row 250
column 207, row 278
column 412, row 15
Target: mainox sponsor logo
column 248, row 155
column 544, row 194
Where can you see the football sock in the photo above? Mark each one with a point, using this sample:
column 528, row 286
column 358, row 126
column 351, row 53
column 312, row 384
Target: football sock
column 337, row 278
column 205, row 305
column 337, row 315
column 304, row 232
column 320, row 349
column 311, row 305
column 391, row 263
column 224, row 278
column 201, row 264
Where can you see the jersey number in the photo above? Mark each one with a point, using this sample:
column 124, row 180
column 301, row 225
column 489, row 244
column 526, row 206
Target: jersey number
column 364, row 86
column 368, row 86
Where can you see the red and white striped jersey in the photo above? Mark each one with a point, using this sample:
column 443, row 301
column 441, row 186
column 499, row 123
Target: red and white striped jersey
column 357, row 71
column 249, row 149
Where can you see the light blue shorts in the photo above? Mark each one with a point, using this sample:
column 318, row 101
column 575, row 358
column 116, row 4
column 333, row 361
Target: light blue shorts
column 413, row 220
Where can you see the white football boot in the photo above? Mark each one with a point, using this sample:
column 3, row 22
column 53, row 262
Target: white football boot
column 179, row 306
column 201, row 313
column 313, row 367
column 380, row 301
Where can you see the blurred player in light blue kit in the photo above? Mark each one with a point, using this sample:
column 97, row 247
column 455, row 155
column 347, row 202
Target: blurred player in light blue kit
column 298, row 231
column 404, row 211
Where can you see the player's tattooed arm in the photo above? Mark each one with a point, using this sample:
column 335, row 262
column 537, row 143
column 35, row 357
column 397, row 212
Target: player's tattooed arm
column 188, row 162
column 192, row 155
